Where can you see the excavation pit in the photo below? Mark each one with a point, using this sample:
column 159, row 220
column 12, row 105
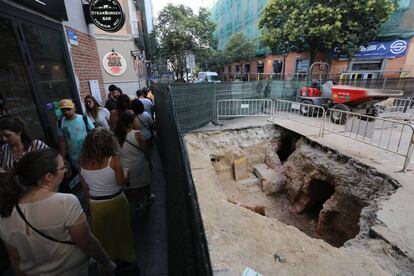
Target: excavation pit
column 322, row 193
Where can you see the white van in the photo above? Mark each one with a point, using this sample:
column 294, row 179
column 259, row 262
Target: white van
column 208, row 77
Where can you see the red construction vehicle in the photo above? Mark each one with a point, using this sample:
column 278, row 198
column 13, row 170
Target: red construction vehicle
column 341, row 97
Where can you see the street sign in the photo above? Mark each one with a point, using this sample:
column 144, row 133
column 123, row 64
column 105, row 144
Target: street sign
column 190, row 61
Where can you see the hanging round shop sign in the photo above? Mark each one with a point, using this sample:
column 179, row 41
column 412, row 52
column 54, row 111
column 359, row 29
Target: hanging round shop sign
column 107, row 15
column 114, row 63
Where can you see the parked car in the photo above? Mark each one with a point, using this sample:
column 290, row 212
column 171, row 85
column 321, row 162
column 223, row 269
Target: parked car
column 208, row 77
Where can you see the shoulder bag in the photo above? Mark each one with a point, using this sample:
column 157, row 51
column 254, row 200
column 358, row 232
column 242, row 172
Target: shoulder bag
column 38, row 231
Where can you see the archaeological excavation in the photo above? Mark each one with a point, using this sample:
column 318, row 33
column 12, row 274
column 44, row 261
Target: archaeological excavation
column 256, row 183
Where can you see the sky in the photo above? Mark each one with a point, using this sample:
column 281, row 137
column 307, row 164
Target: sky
column 157, row 5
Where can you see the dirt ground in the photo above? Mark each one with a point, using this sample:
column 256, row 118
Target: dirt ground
column 239, row 238
column 278, row 206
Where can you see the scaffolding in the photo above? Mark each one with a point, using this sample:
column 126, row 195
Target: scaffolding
column 233, row 16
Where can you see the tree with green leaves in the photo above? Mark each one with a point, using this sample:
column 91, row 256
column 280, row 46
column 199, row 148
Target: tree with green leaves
column 316, row 26
column 239, row 49
column 180, row 31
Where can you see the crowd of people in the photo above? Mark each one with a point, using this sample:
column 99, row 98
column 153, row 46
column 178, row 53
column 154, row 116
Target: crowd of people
column 110, row 149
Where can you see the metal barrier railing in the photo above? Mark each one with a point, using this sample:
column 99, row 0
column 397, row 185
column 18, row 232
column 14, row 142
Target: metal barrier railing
column 390, row 135
column 387, row 134
column 400, row 109
column 401, row 105
column 231, row 108
column 295, row 111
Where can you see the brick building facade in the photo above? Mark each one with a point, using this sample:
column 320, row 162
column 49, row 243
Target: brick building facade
column 232, row 16
column 86, row 63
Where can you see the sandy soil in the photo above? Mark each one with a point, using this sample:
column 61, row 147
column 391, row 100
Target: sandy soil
column 278, row 206
column 238, row 237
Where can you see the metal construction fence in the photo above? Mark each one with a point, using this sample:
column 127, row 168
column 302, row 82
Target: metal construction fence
column 398, row 109
column 244, row 107
column 187, row 245
column 195, row 104
column 307, row 114
column 389, row 135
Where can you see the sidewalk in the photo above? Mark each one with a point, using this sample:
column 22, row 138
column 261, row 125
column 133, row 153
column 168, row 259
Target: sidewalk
column 150, row 231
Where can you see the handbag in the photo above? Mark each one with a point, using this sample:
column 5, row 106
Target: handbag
column 38, row 231
column 148, row 128
column 71, row 181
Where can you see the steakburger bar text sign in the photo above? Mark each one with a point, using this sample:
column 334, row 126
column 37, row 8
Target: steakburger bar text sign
column 107, row 15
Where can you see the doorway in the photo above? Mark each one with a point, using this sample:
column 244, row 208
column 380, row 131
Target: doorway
column 34, row 72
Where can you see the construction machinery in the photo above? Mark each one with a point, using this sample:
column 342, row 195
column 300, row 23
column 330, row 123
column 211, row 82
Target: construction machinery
column 340, row 98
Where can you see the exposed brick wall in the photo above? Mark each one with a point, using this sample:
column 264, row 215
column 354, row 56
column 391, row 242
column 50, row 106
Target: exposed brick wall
column 86, row 63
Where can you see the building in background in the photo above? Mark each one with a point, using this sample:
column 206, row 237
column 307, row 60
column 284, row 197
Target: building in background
column 122, row 51
column 392, row 55
column 53, row 49
column 48, row 53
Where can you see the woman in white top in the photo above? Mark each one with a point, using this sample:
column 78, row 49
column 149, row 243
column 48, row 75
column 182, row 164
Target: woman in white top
column 98, row 115
column 45, row 232
column 103, row 180
column 18, row 143
column 132, row 151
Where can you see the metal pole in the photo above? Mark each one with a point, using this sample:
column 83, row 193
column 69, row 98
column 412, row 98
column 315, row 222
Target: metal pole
column 409, row 153
column 407, row 106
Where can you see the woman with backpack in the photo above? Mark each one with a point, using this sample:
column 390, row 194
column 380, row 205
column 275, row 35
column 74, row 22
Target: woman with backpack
column 132, row 155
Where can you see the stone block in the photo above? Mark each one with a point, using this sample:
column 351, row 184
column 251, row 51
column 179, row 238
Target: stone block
column 261, row 171
column 240, row 168
column 250, row 181
column 272, row 181
column 274, row 185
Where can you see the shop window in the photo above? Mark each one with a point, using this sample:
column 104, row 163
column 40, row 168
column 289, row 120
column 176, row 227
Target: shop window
column 367, row 66
column 277, row 66
column 260, row 67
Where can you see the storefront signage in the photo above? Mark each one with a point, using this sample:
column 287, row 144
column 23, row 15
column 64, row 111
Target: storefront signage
column 73, row 38
column 379, row 49
column 114, row 63
column 53, row 8
column 107, row 15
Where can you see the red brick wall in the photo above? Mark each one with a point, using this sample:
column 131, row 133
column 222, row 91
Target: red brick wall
column 86, row 63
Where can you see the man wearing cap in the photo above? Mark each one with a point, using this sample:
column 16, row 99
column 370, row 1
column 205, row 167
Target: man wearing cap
column 72, row 130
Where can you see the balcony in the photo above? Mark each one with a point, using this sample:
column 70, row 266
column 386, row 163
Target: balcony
column 137, row 35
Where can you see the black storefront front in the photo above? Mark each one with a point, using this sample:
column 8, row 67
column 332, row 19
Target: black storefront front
column 35, row 68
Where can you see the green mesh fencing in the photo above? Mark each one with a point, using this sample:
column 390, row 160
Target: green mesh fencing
column 195, row 104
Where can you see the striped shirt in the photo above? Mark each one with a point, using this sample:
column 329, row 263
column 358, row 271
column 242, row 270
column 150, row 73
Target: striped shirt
column 8, row 160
